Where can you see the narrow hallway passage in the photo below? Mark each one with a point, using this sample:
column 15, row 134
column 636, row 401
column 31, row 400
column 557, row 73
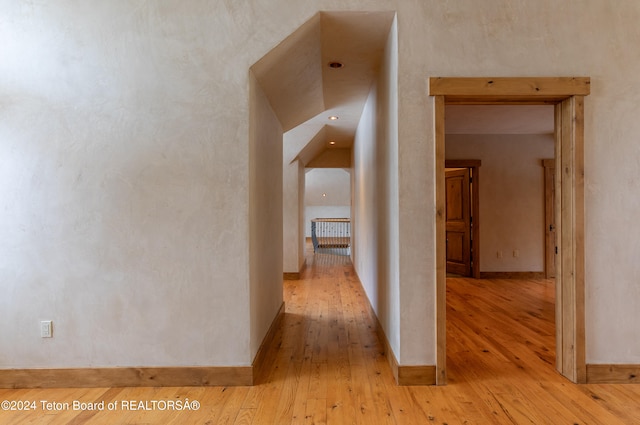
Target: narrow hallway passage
column 329, row 356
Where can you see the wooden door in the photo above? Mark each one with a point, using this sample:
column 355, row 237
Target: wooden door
column 458, row 222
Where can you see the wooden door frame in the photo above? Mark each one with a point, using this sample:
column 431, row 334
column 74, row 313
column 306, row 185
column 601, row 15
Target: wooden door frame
column 567, row 94
column 474, row 165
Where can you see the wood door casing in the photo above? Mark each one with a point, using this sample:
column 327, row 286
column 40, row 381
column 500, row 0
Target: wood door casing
column 567, row 94
column 458, row 222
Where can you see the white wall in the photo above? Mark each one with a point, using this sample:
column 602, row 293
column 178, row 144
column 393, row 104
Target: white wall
column 124, row 191
column 266, row 213
column 293, row 213
column 327, row 187
column 375, row 197
column 511, row 197
column 547, row 38
column 327, row 195
column 124, row 162
column 365, row 212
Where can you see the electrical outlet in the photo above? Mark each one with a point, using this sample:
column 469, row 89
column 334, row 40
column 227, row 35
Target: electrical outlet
column 516, row 253
column 46, row 329
column 499, row 254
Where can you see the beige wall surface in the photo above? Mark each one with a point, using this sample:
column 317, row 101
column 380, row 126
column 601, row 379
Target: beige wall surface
column 124, row 151
column 327, row 187
column 293, row 220
column 327, row 195
column 125, row 168
column 364, row 224
column 292, row 186
column 265, row 214
column 547, row 38
column 511, row 197
column 375, row 197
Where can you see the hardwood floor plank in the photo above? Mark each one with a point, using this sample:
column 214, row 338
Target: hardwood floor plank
column 327, row 366
column 245, row 417
column 302, row 393
column 288, row 389
column 316, row 412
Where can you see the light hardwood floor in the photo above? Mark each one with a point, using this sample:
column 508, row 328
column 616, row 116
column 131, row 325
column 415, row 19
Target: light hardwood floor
column 327, row 367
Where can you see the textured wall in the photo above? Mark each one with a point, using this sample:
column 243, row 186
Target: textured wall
column 365, row 212
column 265, row 214
column 547, row 38
column 375, row 198
column 124, row 166
column 327, row 195
column 123, row 141
column 293, row 215
column 327, row 187
column 511, row 197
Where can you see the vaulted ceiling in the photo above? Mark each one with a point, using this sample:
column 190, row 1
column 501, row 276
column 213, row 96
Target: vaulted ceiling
column 305, row 90
column 326, row 68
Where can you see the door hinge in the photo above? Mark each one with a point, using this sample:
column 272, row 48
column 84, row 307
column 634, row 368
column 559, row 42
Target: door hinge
column 556, row 250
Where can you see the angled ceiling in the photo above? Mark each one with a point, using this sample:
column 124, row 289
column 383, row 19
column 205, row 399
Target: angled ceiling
column 304, row 90
column 291, row 75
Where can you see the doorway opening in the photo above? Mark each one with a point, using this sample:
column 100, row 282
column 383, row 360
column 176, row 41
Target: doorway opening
column 501, row 324
column 327, row 203
column 567, row 94
column 307, row 99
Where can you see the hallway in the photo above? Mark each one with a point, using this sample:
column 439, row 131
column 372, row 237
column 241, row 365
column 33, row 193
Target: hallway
column 328, row 367
column 500, row 359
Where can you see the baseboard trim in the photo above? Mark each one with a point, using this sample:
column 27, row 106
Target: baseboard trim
column 259, row 360
column 403, row 375
column 388, row 352
column 512, row 275
column 126, row 377
column 613, row 374
column 417, row 375
column 196, row 376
